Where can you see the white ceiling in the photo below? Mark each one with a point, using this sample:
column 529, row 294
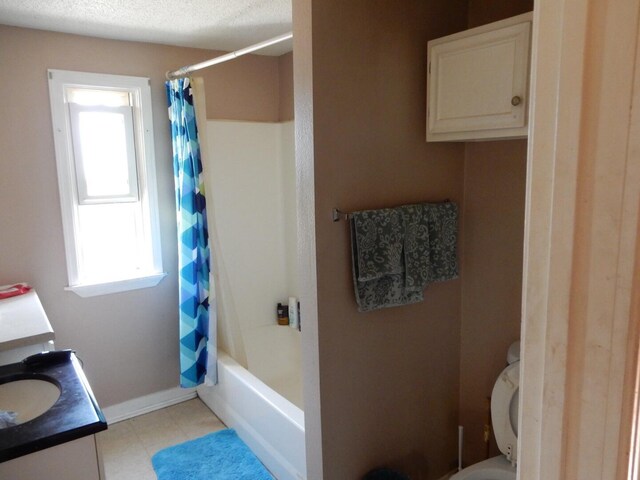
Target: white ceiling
column 216, row 24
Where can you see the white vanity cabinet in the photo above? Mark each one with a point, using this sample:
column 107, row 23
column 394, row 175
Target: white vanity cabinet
column 478, row 82
column 76, row 460
column 24, row 328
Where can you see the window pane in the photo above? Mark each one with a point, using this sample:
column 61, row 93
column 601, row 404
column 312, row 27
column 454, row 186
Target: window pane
column 108, row 98
column 112, row 243
column 104, row 155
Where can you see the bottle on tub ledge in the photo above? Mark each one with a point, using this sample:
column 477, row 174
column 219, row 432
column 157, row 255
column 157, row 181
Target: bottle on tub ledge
column 283, row 314
column 294, row 313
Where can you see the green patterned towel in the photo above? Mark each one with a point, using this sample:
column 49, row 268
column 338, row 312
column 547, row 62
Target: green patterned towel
column 380, row 243
column 397, row 252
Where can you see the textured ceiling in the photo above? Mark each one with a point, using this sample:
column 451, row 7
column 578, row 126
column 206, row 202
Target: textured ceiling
column 215, row 24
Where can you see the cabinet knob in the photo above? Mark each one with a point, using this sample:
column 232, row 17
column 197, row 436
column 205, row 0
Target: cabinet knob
column 516, row 101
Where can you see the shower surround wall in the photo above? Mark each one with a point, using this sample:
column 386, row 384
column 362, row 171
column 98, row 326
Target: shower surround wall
column 250, row 171
column 139, row 326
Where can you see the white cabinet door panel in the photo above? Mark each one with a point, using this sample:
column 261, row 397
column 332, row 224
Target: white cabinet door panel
column 478, row 83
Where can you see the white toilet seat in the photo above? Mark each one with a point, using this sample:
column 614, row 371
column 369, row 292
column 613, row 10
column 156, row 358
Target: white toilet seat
column 504, row 417
column 504, row 411
column 495, row 468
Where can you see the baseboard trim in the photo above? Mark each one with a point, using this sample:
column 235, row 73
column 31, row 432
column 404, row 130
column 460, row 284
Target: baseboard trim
column 147, row 403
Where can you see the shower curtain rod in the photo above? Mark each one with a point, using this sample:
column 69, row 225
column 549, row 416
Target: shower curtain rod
column 184, row 71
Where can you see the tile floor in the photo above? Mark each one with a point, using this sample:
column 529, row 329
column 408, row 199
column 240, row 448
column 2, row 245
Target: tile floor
column 127, row 446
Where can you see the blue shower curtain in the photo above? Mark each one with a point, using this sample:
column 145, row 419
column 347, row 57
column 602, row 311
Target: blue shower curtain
column 193, row 239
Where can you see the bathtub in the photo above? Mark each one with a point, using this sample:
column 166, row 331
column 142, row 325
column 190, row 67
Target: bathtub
column 268, row 423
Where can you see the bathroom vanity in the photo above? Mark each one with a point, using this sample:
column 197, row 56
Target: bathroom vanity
column 56, row 414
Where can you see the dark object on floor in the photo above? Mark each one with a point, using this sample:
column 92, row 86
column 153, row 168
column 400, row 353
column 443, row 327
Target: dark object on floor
column 385, row 474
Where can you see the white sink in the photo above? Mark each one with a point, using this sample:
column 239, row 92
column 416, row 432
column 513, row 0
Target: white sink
column 28, row 398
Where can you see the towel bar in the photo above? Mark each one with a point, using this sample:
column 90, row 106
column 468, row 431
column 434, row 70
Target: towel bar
column 337, row 214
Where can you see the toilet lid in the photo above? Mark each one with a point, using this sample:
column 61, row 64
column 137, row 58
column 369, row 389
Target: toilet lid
column 504, row 410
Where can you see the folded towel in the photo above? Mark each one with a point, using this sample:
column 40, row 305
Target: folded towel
column 7, row 291
column 397, row 252
column 380, row 236
column 443, row 240
column 385, row 291
column 416, row 245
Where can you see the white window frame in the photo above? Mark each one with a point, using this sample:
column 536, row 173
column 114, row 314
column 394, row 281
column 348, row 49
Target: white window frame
column 83, row 197
column 140, row 93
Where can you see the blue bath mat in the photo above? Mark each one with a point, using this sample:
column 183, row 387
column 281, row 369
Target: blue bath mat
column 217, row 456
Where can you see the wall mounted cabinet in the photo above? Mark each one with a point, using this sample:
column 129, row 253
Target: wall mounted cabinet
column 478, row 82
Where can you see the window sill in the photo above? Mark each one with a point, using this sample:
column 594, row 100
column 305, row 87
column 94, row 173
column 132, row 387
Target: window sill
column 95, row 289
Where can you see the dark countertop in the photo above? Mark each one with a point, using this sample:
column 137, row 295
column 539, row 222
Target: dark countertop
column 75, row 414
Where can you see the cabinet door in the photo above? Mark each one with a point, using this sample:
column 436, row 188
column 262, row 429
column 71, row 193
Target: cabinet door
column 478, row 83
column 75, row 460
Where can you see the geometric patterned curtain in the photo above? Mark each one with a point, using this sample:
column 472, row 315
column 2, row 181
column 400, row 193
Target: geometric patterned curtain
column 193, row 238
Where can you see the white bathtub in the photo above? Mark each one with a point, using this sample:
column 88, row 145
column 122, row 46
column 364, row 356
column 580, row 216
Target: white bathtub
column 268, row 423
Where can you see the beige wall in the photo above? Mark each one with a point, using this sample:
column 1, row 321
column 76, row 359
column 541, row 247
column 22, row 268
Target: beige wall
column 389, row 378
column 487, row 11
column 128, row 341
column 286, row 87
column 495, row 174
column 494, row 193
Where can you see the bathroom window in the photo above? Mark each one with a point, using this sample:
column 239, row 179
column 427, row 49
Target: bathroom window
column 102, row 127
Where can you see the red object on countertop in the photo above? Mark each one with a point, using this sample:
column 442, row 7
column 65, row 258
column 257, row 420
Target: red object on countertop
column 14, row 290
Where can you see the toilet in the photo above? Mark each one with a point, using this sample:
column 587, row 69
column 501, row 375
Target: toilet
column 504, row 416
